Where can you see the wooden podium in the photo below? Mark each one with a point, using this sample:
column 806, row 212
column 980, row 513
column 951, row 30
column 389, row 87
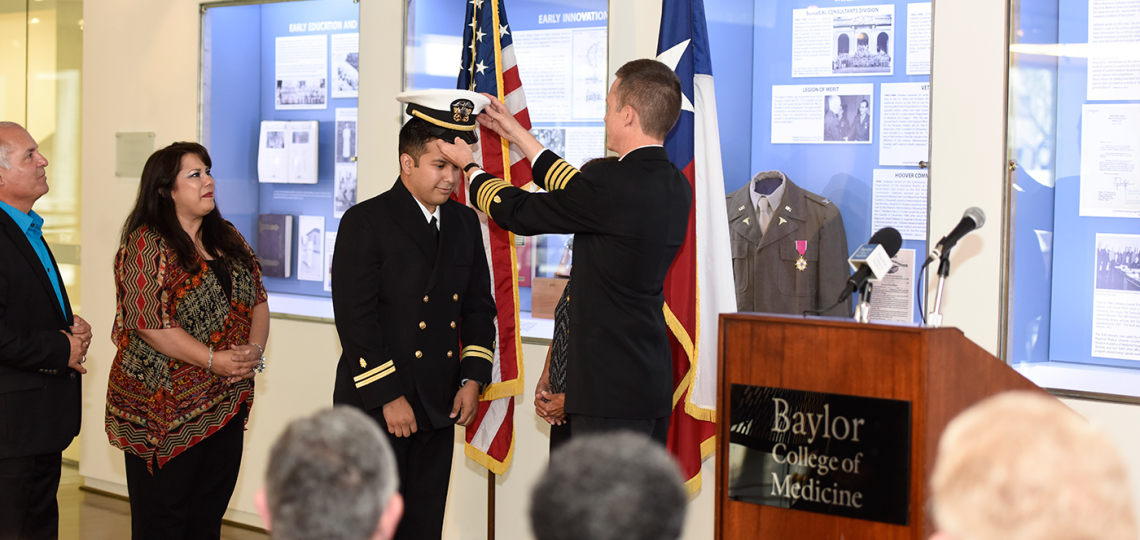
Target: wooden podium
column 938, row 371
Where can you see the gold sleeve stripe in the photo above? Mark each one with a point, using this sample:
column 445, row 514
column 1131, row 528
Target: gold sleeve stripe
column 482, row 198
column 487, row 193
column 372, row 372
column 553, row 172
column 376, row 377
column 476, row 354
column 481, row 351
column 561, row 176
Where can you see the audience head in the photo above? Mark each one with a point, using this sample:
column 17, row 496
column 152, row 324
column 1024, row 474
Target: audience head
column 331, row 476
column 1023, row 466
column 613, row 486
column 652, row 92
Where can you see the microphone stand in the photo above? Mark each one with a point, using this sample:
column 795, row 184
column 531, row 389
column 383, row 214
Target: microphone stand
column 935, row 318
column 863, row 310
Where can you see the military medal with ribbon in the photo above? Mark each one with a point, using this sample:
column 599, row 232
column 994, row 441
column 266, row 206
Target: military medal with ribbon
column 801, row 247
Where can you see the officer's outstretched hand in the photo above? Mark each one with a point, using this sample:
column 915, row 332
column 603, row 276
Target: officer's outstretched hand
column 466, row 403
column 497, row 117
column 399, row 417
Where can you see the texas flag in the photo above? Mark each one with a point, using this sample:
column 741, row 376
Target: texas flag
column 699, row 285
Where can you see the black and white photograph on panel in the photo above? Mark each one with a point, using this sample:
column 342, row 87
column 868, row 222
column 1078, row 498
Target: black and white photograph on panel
column 553, row 139
column 345, row 65
column 1118, row 262
column 295, row 92
column 275, row 139
column 344, row 189
column 345, row 135
column 862, row 44
column 847, row 118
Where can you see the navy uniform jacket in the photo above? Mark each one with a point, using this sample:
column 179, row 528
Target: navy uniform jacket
column 764, row 265
column 403, row 306
column 629, row 218
column 39, row 394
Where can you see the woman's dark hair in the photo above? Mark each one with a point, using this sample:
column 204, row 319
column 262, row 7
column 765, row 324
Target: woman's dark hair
column 155, row 209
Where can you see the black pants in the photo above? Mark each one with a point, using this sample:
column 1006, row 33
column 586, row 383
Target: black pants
column 424, row 460
column 188, row 496
column 28, row 506
column 559, row 435
column 655, row 428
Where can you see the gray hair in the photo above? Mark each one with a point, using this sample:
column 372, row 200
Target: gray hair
column 5, row 163
column 612, row 486
column 1023, row 466
column 330, row 477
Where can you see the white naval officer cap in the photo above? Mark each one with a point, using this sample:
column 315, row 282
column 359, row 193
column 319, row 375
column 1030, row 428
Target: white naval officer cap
column 448, row 113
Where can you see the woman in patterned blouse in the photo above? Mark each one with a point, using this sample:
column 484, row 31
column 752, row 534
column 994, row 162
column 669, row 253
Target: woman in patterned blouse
column 190, row 326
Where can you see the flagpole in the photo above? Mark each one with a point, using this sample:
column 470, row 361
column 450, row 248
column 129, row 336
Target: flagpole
column 490, row 505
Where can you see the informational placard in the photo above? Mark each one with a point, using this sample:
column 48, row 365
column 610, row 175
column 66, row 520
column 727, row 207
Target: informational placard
column 899, row 200
column 892, row 298
column 563, row 72
column 311, row 252
column 1116, row 297
column 1114, row 49
column 345, row 65
column 302, row 72
column 918, row 17
column 905, row 120
column 576, row 145
column 843, row 41
column 1110, row 149
column 825, row 453
column 822, row 114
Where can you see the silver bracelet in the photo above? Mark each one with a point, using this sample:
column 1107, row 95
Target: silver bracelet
column 260, row 361
column 210, row 362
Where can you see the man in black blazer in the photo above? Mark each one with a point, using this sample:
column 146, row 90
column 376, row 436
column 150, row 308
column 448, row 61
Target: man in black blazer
column 629, row 218
column 42, row 348
column 412, row 295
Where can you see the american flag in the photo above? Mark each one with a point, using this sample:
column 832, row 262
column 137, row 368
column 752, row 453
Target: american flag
column 489, row 66
column 699, row 284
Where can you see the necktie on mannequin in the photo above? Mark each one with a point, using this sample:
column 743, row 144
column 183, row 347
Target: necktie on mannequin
column 763, row 214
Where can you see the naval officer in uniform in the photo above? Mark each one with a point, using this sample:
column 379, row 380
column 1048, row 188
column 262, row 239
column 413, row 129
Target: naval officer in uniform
column 629, row 218
column 410, row 283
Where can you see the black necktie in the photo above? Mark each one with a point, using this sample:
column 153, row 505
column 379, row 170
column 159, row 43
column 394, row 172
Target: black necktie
column 434, row 229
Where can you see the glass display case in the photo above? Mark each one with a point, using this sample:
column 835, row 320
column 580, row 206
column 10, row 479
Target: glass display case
column 279, row 110
column 1074, row 135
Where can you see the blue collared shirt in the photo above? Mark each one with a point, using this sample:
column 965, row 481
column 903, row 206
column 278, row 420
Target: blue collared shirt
column 32, row 225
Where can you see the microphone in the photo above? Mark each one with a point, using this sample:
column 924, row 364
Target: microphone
column 972, row 219
column 872, row 260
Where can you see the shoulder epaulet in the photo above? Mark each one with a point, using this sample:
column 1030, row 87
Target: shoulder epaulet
column 817, row 198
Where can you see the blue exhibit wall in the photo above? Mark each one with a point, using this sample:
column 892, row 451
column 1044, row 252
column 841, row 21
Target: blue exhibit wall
column 235, row 111
column 1074, row 238
column 241, row 95
column 730, row 38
